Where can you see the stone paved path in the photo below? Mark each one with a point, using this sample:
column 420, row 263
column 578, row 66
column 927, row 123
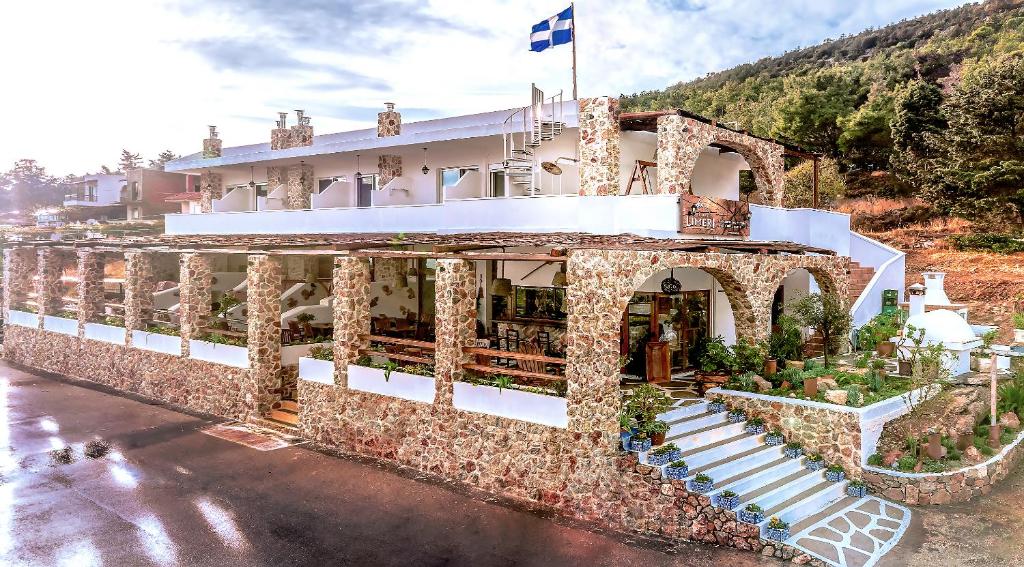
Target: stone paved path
column 856, row 536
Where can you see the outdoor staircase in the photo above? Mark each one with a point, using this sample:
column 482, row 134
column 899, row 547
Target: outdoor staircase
column 743, row 463
column 285, row 412
column 540, row 122
column 860, row 276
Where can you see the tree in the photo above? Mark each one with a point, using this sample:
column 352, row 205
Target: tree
column 129, row 161
column 810, row 113
column 27, row 186
column 162, row 158
column 827, row 314
column 917, row 126
column 799, row 187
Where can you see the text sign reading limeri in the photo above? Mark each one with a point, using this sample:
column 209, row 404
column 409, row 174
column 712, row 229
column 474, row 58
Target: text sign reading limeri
column 717, row 217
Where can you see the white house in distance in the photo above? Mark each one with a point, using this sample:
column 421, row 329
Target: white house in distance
column 94, row 196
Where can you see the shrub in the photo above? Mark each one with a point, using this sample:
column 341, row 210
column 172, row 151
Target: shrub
column 853, row 396
column 786, row 341
column 750, row 356
column 810, row 365
column 1011, row 395
column 717, row 357
column 988, row 242
column 794, row 376
column 322, row 352
column 875, row 460
column 1018, row 320
column 906, row 463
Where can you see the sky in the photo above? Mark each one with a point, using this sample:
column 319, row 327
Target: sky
column 82, row 80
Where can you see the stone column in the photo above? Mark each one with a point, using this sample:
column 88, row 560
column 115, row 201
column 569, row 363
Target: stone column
column 351, row 312
column 455, row 324
column 48, row 286
column 276, row 176
column 300, row 186
column 138, row 291
column 599, row 146
column 279, row 136
column 19, row 271
column 680, row 142
column 263, row 298
column 91, row 301
column 211, row 186
column 592, row 342
column 388, row 168
column 196, row 284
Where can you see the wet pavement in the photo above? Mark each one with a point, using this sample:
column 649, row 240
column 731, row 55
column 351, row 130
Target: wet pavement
column 167, row 494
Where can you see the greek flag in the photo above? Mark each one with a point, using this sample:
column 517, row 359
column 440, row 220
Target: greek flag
column 553, row 31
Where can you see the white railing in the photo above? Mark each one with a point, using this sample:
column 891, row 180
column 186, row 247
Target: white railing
column 811, row 227
column 337, row 194
column 890, row 271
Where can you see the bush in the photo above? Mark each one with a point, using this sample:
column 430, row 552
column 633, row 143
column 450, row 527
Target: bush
column 786, row 341
column 750, row 356
column 906, row 463
column 1011, row 395
column 794, row 376
column 988, row 242
column 717, row 357
column 875, row 460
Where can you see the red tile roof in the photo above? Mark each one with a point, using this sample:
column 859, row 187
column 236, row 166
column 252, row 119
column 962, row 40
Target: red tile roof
column 189, row 196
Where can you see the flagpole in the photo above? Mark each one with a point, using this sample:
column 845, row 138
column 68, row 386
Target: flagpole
column 572, row 6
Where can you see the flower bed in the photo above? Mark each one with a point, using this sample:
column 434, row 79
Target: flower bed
column 395, row 383
column 290, row 354
column 508, row 402
column 157, row 342
column 22, row 319
column 220, row 353
column 62, row 325
column 106, row 333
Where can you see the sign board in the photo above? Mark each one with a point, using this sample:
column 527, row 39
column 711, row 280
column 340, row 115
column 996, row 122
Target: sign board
column 713, row 217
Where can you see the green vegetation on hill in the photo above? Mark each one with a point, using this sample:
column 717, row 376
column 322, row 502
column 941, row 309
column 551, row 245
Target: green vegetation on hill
column 937, row 100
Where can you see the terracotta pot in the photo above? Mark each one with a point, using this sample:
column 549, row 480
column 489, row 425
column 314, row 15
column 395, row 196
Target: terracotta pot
column 811, row 387
column 657, row 438
column 885, row 349
column 771, row 367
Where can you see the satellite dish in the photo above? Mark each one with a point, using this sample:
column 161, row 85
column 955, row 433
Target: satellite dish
column 551, row 168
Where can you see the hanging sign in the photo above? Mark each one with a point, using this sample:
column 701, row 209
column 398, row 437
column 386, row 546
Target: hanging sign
column 717, row 217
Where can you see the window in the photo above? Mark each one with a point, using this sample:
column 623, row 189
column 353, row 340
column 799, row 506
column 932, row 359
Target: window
column 451, row 175
column 540, row 303
column 135, row 191
column 324, row 183
column 497, row 181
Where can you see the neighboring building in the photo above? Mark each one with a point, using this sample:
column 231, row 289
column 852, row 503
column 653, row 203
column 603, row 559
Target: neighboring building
column 146, row 192
column 93, row 197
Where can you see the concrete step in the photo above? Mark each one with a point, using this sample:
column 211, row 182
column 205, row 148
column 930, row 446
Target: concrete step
column 784, row 490
column 721, row 451
column 815, row 518
column 746, row 482
column 807, row 504
column 684, row 411
column 694, row 423
column 285, row 416
column 290, row 405
column 706, row 436
column 739, row 466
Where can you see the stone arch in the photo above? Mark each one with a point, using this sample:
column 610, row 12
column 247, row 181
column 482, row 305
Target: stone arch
column 768, row 185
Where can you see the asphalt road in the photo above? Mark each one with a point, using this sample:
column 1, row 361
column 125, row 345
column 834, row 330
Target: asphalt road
column 168, row 494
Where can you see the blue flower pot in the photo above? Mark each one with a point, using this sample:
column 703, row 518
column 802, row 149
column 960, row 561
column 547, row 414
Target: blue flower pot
column 750, row 517
column 728, row 503
column 676, row 473
column 857, row 491
column 737, row 417
column 777, row 534
column 716, row 407
column 833, row 476
column 755, row 429
column 792, row 453
column 664, row 458
column 815, row 465
column 702, row 487
column 639, row 445
column 774, row 440
column 624, row 437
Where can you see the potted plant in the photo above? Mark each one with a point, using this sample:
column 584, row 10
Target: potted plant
column 1018, row 327
column 644, row 403
column 640, row 442
column 728, row 499
column 777, row 530
column 755, row 426
column 774, row 438
column 793, row 450
column 815, row 462
column 306, row 320
column 663, row 455
column 717, row 362
column 677, row 470
column 835, row 473
column 751, row 514
column 857, row 488
column 907, row 355
column 657, row 430
column 716, row 405
column 627, row 427
column 737, row 416
column 702, row 483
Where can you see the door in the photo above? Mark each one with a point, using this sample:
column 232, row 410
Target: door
column 365, row 186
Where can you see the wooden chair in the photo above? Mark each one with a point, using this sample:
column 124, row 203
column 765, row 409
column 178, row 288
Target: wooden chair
column 530, row 347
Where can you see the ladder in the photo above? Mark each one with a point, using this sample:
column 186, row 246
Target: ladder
column 523, row 134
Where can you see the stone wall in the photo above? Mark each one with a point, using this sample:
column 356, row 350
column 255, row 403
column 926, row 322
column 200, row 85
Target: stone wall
column 263, row 297
column 195, row 295
column 300, row 186
column 91, row 298
column 19, row 267
column 955, row 486
column 49, row 289
column 388, row 168
column 599, row 146
column 211, row 187
column 139, row 285
column 681, row 140
column 389, row 122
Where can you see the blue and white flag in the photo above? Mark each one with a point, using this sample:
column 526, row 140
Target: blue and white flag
column 553, row 31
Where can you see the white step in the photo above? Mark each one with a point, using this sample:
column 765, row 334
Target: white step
column 714, row 454
column 775, row 497
column 749, row 462
column 718, row 432
column 680, row 428
column 808, row 506
column 682, row 411
column 757, row 480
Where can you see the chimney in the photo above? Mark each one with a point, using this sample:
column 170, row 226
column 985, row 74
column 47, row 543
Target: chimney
column 935, row 288
column 301, row 133
column 389, row 122
column 917, row 299
column 279, row 136
column 212, row 146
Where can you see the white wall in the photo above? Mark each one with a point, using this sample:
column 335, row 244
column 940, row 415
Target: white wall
column 637, row 146
column 717, row 175
column 723, row 323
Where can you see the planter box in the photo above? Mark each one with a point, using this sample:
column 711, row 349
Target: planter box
column 23, row 319
column 228, row 355
column 749, row 517
column 777, row 534
column 291, row 354
column 157, row 342
column 525, row 406
column 793, row 453
column 856, row 491
column 398, row 385
column 61, row 325
column 728, row 502
column 106, row 333
column 639, row 445
column 774, row 440
column 316, row 370
column 737, row 417
column 664, row 458
column 716, row 407
column 702, row 487
column 835, row 476
column 676, row 473
column 815, row 465
column 755, row 429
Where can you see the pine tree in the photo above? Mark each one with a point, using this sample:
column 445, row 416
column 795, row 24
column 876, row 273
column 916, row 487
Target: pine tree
column 129, row 161
column 162, row 158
